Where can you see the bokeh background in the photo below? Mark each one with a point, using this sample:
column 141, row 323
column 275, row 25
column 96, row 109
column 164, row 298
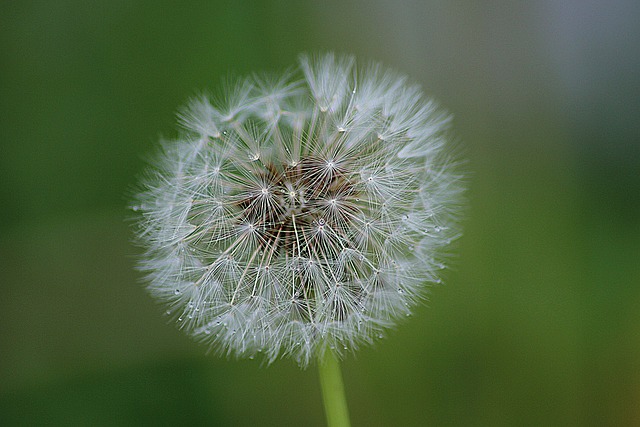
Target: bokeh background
column 539, row 321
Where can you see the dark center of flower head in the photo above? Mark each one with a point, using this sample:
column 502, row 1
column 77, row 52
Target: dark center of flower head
column 307, row 213
column 311, row 195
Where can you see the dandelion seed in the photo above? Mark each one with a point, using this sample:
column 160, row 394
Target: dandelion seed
column 300, row 214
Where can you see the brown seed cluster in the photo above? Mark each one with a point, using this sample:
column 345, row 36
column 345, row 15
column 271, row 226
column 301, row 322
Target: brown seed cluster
column 310, row 195
column 299, row 209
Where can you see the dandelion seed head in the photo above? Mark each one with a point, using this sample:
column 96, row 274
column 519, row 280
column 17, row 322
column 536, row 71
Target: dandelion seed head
column 300, row 214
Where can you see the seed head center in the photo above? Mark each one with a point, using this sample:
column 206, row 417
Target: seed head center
column 290, row 205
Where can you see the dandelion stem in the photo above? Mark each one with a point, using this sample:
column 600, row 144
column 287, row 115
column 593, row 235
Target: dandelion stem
column 335, row 402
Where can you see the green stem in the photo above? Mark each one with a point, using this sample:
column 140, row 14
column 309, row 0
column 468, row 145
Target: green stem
column 335, row 402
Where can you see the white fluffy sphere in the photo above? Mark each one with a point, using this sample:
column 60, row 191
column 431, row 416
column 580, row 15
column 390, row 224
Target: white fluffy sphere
column 300, row 213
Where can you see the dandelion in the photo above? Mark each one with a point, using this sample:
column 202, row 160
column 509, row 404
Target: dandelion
column 300, row 216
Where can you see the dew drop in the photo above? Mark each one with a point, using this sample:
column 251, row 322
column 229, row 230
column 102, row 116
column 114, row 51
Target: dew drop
column 176, row 292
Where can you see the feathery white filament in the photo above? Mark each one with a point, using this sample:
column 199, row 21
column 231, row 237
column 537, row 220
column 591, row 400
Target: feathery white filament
column 300, row 214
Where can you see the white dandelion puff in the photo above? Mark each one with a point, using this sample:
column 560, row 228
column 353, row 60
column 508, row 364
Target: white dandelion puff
column 300, row 213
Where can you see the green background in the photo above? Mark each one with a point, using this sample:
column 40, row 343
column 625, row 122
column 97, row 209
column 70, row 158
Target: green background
column 539, row 320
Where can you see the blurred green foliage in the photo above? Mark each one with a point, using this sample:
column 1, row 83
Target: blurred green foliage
column 539, row 321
